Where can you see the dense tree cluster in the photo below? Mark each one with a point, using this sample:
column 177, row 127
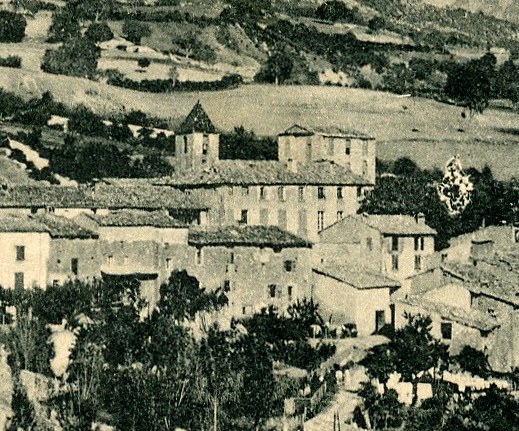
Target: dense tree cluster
column 122, row 363
column 411, row 351
column 245, row 145
column 12, row 27
column 76, row 57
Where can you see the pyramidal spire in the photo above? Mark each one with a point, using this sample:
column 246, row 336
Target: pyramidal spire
column 197, row 121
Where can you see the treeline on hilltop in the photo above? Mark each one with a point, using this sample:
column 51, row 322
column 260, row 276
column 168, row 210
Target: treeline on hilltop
column 184, row 376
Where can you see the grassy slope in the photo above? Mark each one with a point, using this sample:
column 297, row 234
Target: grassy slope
column 12, row 172
column 269, row 110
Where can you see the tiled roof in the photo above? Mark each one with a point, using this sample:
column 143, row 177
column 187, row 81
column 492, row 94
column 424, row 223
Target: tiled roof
column 357, row 278
column 334, row 131
column 394, row 224
column 504, row 286
column 259, row 236
column 141, row 196
column 62, row 227
column 21, row 223
column 473, row 318
column 137, row 218
column 241, row 172
column 197, row 121
column 56, row 227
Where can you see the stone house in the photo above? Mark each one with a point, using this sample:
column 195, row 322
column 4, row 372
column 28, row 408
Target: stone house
column 396, row 246
column 348, row 295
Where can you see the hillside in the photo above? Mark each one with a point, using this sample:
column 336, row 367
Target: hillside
column 422, row 129
column 503, row 9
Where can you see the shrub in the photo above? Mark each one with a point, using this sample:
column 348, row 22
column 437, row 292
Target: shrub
column 11, row 61
column 77, row 57
column 99, row 32
column 12, row 27
column 64, row 26
column 134, row 31
column 143, row 62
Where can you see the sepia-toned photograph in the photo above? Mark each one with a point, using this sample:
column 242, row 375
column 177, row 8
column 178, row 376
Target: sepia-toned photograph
column 259, row 215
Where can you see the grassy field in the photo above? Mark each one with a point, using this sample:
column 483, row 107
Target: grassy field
column 422, row 129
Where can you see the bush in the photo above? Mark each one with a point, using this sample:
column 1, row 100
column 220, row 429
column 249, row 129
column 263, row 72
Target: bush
column 77, row 57
column 11, row 61
column 64, row 26
column 143, row 62
column 134, row 31
column 99, row 32
column 12, row 27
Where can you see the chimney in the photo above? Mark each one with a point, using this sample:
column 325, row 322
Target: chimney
column 419, row 218
column 292, row 166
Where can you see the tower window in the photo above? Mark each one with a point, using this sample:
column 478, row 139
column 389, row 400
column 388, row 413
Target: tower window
column 339, row 193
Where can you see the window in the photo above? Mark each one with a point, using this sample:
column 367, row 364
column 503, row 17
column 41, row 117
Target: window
column 290, row 292
column 263, row 193
column 394, row 243
column 227, row 285
column 19, row 280
column 422, row 243
column 359, row 192
column 243, row 217
column 446, row 330
column 290, row 265
column 20, row 252
column 320, row 192
column 419, row 243
column 74, row 265
column 369, row 243
column 320, row 220
column 394, row 262
column 55, row 283
column 185, row 145
column 109, row 260
column 347, row 150
column 205, row 145
column 339, row 193
column 168, row 263
column 364, row 168
column 198, row 256
column 230, row 257
column 340, row 215
column 272, row 291
column 245, row 191
column 417, row 263
column 301, row 193
column 281, row 194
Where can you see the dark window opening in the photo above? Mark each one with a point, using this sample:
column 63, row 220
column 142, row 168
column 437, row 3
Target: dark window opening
column 74, row 265
column 446, row 330
column 320, row 193
column 20, row 252
column 19, row 282
column 272, row 290
column 290, row 265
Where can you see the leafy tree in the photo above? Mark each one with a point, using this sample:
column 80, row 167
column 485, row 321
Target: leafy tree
column 64, row 26
column 181, row 297
column 334, row 10
column 143, row 62
column 507, row 82
column 415, row 350
column 376, row 23
column 92, row 10
column 474, row 361
column 99, row 32
column 134, row 31
column 83, row 121
column 470, row 84
column 384, row 410
column 245, row 145
column 77, row 57
column 305, row 313
column 12, row 27
column 380, row 363
column 277, row 69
